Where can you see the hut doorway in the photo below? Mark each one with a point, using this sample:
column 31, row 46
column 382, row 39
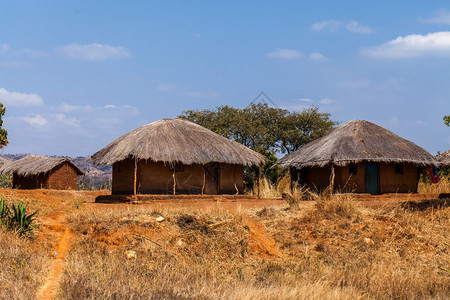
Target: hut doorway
column 371, row 178
column 212, row 178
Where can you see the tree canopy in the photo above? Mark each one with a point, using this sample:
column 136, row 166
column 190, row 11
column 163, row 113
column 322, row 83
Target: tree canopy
column 263, row 128
column 3, row 133
column 447, row 120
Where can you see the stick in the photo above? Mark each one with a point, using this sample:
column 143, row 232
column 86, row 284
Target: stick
column 204, row 180
column 174, row 181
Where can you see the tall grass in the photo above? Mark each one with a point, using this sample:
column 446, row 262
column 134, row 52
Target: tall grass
column 269, row 190
column 334, row 250
column 24, row 262
column 443, row 186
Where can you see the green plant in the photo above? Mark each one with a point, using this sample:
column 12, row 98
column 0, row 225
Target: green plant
column 16, row 218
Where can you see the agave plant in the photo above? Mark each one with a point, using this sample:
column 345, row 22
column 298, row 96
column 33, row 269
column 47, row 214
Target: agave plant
column 22, row 223
column 16, row 218
column 4, row 212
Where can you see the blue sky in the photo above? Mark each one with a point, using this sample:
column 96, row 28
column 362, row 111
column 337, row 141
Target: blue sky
column 75, row 75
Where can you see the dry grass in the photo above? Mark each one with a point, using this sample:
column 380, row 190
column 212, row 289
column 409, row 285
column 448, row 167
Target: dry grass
column 270, row 190
column 385, row 253
column 335, row 249
column 443, row 186
column 24, row 262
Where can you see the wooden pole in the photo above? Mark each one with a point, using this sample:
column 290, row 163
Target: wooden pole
column 174, row 181
column 204, row 180
column 135, row 176
column 332, row 179
column 259, row 181
column 234, row 180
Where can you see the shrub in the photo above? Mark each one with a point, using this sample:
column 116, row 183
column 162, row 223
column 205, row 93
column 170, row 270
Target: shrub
column 15, row 217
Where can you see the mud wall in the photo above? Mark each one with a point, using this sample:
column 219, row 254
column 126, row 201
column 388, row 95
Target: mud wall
column 63, row 177
column 157, row 178
column 389, row 182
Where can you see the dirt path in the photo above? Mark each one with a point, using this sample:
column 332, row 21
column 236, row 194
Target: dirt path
column 260, row 242
column 58, row 226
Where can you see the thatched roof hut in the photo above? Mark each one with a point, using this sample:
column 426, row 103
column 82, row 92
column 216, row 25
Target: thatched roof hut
column 444, row 158
column 176, row 141
column 359, row 152
column 358, row 141
column 158, row 154
column 36, row 171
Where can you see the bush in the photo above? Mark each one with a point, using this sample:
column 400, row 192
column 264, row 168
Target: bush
column 15, row 217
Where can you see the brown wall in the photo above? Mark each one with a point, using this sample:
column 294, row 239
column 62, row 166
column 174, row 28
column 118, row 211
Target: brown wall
column 29, row 182
column 388, row 181
column 354, row 183
column 157, row 178
column 229, row 176
column 63, row 177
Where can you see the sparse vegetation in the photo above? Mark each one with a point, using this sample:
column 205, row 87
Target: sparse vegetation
column 443, row 186
column 14, row 217
column 24, row 263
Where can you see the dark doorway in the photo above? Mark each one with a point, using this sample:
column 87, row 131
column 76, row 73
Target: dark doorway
column 212, row 178
column 371, row 178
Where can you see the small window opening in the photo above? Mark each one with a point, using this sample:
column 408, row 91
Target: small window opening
column 119, row 169
column 398, row 169
column 352, row 169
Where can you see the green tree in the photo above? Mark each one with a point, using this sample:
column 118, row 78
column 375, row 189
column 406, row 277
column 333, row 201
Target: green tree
column 3, row 133
column 447, row 120
column 265, row 129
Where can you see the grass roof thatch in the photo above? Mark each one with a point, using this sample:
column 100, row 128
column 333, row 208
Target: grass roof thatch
column 444, row 158
column 36, row 164
column 176, row 141
column 358, row 141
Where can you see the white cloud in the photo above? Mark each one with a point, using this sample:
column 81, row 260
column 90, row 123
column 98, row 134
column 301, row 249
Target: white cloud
column 413, row 45
column 440, row 16
column 165, row 87
column 69, row 121
column 285, row 53
column 304, row 100
column 355, row 27
column 93, row 52
column 70, row 108
column 4, row 48
column 327, row 101
column 317, row 56
column 37, row 120
column 335, row 25
column 329, row 25
column 19, row 99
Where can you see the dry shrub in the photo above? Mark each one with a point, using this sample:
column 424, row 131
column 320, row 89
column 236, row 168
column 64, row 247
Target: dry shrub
column 192, row 254
column 270, row 190
column 298, row 194
column 382, row 253
column 443, row 186
column 24, row 262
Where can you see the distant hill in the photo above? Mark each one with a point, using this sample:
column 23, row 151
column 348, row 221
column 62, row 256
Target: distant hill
column 97, row 177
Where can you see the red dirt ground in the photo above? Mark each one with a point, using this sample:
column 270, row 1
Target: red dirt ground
column 54, row 206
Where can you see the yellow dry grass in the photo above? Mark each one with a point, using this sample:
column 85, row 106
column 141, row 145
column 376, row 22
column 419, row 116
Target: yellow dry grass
column 443, row 186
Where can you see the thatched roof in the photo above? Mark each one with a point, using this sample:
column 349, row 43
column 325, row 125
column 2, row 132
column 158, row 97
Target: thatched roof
column 444, row 158
column 358, row 141
column 176, row 141
column 35, row 164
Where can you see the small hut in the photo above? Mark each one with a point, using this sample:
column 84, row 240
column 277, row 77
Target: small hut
column 175, row 156
column 36, row 172
column 360, row 157
column 444, row 159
